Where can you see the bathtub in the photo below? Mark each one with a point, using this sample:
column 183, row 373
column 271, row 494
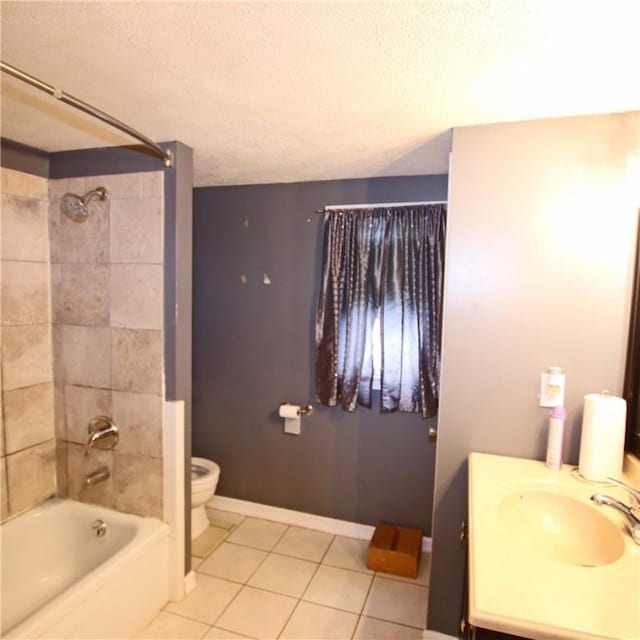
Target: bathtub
column 60, row 579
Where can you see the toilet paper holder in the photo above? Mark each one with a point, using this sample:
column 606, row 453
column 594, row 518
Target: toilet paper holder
column 303, row 411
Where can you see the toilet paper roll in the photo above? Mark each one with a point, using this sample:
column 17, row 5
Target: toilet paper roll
column 289, row 410
column 602, row 439
column 291, row 415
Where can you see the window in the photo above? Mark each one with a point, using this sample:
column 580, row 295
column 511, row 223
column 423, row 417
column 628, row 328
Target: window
column 382, row 279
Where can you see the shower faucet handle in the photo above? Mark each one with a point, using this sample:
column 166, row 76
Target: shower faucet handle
column 103, row 434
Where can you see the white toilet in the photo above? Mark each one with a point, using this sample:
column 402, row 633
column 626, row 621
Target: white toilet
column 204, row 479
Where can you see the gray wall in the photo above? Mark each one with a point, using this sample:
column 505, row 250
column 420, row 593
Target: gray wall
column 253, row 348
column 540, row 241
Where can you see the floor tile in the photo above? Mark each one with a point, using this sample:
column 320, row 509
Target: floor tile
column 259, row 534
column 304, row 543
column 423, row 573
column 195, row 562
column 314, row 622
column 370, row 629
column 339, row 588
column 223, row 519
column 233, row 562
column 222, row 634
column 172, row 627
column 348, row 553
column 397, row 601
column 289, row 576
column 207, row 540
column 257, row 613
column 207, row 601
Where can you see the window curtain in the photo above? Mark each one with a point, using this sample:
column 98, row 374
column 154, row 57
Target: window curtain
column 386, row 263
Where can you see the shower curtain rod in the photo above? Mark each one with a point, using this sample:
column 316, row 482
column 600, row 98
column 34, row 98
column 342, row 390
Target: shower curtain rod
column 376, row 205
column 58, row 94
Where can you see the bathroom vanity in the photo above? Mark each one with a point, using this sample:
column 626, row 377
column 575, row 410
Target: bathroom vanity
column 545, row 562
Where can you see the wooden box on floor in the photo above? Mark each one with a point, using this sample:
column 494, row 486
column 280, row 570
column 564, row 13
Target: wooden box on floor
column 395, row 550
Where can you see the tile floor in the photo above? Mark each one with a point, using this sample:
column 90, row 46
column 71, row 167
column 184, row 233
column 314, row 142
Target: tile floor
column 262, row 579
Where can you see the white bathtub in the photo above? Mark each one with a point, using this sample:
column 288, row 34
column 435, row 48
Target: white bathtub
column 60, row 580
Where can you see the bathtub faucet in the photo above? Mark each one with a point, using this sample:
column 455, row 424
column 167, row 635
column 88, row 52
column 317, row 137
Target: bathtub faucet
column 100, row 475
column 103, row 434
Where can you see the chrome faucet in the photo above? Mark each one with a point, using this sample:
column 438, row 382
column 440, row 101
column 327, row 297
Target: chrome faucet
column 634, row 493
column 633, row 519
column 94, row 478
column 103, row 434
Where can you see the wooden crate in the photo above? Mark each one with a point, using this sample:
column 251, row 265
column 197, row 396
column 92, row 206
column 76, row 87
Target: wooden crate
column 395, row 550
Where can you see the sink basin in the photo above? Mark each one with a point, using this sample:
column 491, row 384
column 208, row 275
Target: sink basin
column 556, row 527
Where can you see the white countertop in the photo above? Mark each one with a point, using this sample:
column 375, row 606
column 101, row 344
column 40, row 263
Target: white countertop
column 513, row 591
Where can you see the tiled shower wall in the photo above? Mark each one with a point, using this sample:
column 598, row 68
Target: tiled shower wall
column 106, row 276
column 81, row 336
column 27, row 435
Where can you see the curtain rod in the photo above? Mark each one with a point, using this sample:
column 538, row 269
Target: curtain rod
column 375, row 205
column 58, row 94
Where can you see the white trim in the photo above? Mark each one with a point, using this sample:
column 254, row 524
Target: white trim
column 173, row 480
column 190, row 582
column 300, row 519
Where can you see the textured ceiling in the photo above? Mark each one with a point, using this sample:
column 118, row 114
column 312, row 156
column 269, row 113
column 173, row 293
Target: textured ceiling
column 290, row 91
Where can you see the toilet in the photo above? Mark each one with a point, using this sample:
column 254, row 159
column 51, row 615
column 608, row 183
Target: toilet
column 204, row 479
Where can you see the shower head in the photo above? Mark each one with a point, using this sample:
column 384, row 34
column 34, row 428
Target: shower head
column 77, row 207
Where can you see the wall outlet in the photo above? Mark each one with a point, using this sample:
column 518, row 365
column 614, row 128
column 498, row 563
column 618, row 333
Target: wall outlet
column 552, row 388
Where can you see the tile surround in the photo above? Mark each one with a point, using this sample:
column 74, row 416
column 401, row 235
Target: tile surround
column 136, row 360
column 28, row 416
column 31, row 476
column 107, row 306
column 86, row 356
column 79, row 466
column 132, row 220
column 136, row 296
column 57, row 271
column 25, row 230
column 25, row 293
column 271, row 600
column 26, row 356
column 137, row 484
column 81, row 405
column 27, row 436
column 81, row 294
column 140, row 414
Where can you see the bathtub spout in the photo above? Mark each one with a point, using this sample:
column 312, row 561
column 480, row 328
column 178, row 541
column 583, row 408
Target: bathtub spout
column 96, row 477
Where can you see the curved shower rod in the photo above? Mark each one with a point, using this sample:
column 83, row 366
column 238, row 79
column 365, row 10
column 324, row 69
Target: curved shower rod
column 58, row 94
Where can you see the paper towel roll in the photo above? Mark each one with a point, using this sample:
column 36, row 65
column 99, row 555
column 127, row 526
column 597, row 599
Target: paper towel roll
column 291, row 415
column 602, row 440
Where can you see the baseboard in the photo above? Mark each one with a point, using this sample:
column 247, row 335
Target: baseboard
column 299, row 519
